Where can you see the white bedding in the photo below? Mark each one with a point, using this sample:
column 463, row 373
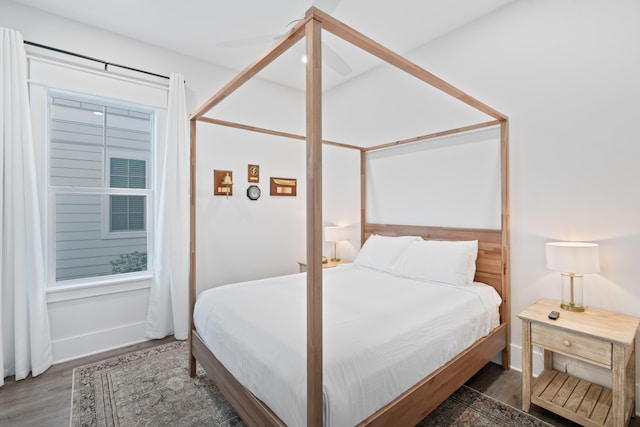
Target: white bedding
column 382, row 334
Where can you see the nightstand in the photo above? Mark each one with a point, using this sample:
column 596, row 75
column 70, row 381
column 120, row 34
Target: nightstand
column 330, row 264
column 595, row 336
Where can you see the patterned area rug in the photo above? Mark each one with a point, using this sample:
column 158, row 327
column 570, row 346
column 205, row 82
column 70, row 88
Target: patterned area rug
column 152, row 388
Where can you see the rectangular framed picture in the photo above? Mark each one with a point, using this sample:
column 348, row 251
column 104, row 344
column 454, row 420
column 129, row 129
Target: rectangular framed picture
column 283, row 186
column 222, row 183
column 253, row 173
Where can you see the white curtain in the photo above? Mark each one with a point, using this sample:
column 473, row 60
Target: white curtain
column 25, row 343
column 169, row 300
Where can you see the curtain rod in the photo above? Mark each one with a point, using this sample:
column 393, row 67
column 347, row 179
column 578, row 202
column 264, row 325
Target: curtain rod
column 106, row 63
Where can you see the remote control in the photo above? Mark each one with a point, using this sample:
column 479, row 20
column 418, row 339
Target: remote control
column 554, row 315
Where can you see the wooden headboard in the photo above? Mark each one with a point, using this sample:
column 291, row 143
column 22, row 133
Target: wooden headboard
column 490, row 267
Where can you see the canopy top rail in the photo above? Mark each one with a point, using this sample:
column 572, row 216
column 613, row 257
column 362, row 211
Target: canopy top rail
column 357, row 39
column 289, row 39
column 272, row 132
column 412, row 140
column 421, row 138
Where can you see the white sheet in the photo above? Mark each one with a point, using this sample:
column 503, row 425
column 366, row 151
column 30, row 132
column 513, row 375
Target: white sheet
column 382, row 334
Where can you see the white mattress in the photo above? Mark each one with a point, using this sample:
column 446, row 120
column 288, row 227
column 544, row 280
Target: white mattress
column 382, row 334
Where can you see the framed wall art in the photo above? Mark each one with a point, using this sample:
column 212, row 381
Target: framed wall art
column 222, row 183
column 253, row 173
column 283, row 186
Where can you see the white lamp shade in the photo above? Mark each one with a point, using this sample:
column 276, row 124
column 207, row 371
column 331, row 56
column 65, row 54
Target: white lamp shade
column 573, row 257
column 335, row 234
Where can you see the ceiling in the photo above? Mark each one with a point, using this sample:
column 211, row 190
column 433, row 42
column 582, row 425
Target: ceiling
column 216, row 30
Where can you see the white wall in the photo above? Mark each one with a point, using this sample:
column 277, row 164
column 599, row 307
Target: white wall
column 566, row 74
column 450, row 182
column 256, row 239
column 237, row 239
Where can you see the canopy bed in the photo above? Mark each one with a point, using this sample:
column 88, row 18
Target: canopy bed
column 418, row 396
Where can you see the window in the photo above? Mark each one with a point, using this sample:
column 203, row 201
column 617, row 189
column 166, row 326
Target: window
column 125, row 216
column 100, row 154
column 127, row 213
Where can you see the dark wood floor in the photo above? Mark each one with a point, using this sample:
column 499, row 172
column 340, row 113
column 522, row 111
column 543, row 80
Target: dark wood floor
column 45, row 401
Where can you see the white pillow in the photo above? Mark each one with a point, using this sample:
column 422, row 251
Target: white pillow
column 382, row 252
column 452, row 262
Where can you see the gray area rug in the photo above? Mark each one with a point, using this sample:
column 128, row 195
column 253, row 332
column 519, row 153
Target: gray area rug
column 152, row 387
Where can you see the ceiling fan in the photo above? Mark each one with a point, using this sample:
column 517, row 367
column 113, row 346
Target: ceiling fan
column 330, row 57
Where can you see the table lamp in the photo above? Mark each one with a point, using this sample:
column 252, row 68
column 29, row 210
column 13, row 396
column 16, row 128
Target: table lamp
column 335, row 235
column 573, row 259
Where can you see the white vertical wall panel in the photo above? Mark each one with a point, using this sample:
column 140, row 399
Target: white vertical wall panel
column 451, row 182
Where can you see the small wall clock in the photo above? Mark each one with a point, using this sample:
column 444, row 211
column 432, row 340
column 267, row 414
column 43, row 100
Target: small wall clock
column 253, row 192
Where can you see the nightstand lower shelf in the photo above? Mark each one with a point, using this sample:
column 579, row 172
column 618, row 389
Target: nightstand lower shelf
column 576, row 399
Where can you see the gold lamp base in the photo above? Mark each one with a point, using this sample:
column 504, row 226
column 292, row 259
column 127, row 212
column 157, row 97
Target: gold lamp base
column 572, row 292
column 572, row 307
column 335, row 253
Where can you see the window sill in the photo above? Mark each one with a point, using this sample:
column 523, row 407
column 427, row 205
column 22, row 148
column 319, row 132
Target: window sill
column 97, row 287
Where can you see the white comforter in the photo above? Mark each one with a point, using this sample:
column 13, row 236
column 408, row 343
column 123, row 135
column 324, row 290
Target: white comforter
column 382, row 334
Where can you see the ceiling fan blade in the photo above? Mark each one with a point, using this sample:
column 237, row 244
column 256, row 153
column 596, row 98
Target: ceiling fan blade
column 334, row 61
column 327, row 6
column 249, row 41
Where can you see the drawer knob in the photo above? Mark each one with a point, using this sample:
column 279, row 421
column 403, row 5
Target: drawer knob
column 566, row 343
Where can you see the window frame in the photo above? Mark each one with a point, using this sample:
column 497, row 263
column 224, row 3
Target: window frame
column 55, row 285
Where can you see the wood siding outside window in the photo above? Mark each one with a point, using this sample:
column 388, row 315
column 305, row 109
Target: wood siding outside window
column 95, row 148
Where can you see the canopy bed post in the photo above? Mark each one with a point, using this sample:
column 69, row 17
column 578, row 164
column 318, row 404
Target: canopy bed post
column 363, row 193
column 192, row 238
column 313, row 30
column 504, row 179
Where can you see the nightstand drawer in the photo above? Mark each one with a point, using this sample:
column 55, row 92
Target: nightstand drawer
column 571, row 344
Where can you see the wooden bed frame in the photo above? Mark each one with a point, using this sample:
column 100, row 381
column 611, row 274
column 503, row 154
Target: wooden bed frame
column 492, row 266
column 414, row 404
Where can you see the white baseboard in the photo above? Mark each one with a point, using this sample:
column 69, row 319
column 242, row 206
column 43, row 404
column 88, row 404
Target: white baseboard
column 96, row 342
column 516, row 359
column 583, row 370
